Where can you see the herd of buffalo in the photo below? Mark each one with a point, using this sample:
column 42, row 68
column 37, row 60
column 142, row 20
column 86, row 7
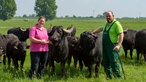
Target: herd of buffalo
column 85, row 49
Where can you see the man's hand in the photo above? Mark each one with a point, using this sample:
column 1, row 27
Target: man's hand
column 117, row 47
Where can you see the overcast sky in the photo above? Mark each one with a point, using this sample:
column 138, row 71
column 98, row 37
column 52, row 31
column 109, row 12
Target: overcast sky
column 121, row 8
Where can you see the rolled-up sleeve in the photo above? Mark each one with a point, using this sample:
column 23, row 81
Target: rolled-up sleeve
column 32, row 32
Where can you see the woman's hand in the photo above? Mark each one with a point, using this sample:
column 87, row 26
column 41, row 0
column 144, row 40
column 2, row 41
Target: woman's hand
column 44, row 42
column 50, row 42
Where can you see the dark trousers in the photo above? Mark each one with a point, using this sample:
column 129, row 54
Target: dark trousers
column 38, row 61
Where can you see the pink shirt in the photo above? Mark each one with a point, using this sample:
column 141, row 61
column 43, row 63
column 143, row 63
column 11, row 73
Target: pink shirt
column 41, row 35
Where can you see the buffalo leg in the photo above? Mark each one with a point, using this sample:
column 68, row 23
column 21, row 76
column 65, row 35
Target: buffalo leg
column 97, row 66
column 9, row 61
column 138, row 52
column 131, row 50
column 63, row 69
column 144, row 56
column 22, row 62
column 90, row 71
column 52, row 67
column 69, row 60
column 75, row 63
column 125, row 53
column 75, row 60
column 4, row 60
column 15, row 63
column 81, row 64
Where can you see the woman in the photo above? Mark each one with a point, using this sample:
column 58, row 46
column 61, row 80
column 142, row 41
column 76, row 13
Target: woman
column 38, row 48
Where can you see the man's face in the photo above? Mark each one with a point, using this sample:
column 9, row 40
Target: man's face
column 109, row 17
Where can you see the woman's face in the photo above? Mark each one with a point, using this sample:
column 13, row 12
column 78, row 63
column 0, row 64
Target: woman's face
column 41, row 21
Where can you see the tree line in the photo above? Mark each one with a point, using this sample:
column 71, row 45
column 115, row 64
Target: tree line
column 46, row 8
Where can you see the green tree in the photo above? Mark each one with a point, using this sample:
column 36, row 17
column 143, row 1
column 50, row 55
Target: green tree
column 104, row 14
column 7, row 9
column 46, row 8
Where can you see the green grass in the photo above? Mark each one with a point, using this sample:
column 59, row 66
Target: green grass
column 134, row 70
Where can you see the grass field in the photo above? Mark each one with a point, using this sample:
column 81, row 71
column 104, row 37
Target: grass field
column 135, row 71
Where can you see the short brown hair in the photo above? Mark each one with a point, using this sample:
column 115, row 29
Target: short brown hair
column 41, row 17
column 110, row 12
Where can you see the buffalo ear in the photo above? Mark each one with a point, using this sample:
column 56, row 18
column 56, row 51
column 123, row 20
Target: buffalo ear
column 94, row 35
column 16, row 47
column 49, row 30
column 125, row 31
column 23, row 29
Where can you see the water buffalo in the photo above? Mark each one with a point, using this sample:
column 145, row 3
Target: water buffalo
column 3, row 43
column 59, row 50
column 72, row 42
column 15, row 50
column 21, row 33
column 140, row 43
column 77, row 54
column 92, row 51
column 129, row 41
column 4, row 39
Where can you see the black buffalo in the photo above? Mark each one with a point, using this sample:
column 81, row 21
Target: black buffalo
column 21, row 33
column 140, row 43
column 15, row 49
column 91, row 51
column 59, row 50
column 73, row 41
column 3, row 43
column 77, row 54
column 129, row 41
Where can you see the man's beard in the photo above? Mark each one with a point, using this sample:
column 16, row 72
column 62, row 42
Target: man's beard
column 109, row 21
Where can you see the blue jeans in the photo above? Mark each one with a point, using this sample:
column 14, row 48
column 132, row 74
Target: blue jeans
column 38, row 60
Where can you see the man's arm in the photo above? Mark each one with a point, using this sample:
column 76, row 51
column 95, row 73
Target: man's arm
column 120, row 40
column 97, row 30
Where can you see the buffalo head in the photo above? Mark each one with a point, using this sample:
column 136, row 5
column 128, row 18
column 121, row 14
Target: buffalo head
column 87, row 40
column 57, row 33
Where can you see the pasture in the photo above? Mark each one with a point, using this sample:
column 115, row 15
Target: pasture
column 135, row 71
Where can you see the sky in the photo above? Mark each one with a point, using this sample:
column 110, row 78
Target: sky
column 121, row 8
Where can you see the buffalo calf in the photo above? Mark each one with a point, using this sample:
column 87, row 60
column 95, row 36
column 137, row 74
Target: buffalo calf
column 15, row 50
column 91, row 51
column 129, row 41
column 140, row 43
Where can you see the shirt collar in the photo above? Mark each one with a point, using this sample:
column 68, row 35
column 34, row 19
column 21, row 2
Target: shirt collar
column 39, row 28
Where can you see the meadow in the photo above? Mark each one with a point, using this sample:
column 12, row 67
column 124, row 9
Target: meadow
column 135, row 71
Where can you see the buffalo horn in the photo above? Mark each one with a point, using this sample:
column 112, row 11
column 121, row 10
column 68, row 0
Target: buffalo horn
column 69, row 30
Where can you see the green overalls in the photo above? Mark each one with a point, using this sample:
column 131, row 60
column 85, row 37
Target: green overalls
column 110, row 56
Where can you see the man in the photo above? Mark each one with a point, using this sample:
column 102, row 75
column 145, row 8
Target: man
column 112, row 39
